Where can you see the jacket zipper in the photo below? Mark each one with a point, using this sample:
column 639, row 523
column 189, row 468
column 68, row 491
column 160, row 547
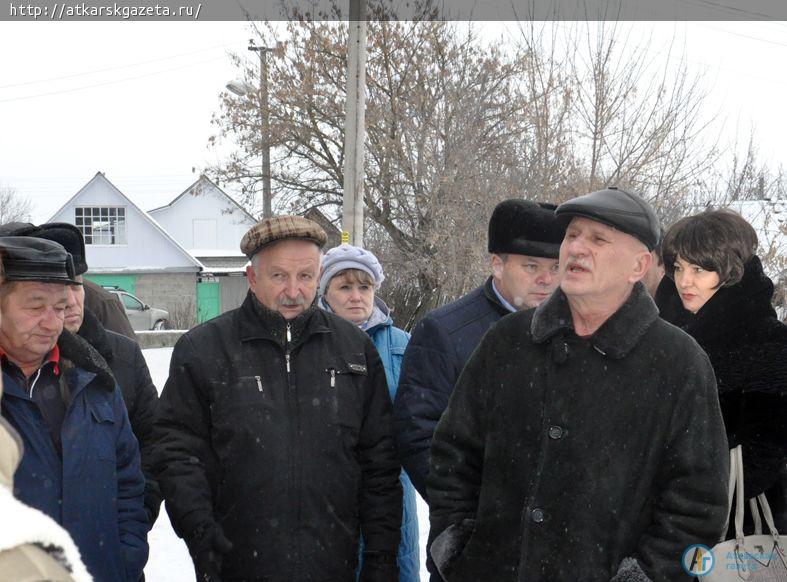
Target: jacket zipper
column 33, row 385
column 287, row 348
column 259, row 383
column 333, row 378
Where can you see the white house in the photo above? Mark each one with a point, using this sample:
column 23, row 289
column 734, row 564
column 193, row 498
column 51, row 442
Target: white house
column 125, row 247
column 210, row 224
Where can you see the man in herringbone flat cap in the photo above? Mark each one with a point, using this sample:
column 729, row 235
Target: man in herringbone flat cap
column 274, row 430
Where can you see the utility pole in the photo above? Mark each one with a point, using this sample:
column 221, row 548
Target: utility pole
column 265, row 129
column 355, row 131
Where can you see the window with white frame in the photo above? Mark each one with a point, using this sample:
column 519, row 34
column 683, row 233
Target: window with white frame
column 101, row 225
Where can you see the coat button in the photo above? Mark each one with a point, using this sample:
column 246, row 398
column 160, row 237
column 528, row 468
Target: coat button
column 537, row 515
column 555, row 433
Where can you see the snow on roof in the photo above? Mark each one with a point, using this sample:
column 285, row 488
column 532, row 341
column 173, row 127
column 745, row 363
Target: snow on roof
column 223, row 270
column 216, row 252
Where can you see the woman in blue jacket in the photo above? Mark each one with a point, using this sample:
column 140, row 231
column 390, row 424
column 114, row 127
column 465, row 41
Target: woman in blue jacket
column 348, row 282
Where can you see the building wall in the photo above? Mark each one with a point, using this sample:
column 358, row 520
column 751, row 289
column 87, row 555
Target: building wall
column 146, row 247
column 216, row 212
column 233, row 292
column 175, row 292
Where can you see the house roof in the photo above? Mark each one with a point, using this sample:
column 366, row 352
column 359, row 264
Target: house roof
column 203, row 179
column 101, row 177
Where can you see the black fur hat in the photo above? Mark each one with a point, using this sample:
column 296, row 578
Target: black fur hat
column 524, row 227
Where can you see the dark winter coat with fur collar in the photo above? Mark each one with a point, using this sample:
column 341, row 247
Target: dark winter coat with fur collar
column 130, row 370
column 94, row 487
column 747, row 346
column 573, row 459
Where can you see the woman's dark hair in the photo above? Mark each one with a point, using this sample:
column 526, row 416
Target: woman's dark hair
column 716, row 240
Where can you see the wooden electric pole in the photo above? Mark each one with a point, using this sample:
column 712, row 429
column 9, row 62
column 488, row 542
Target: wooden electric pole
column 355, row 132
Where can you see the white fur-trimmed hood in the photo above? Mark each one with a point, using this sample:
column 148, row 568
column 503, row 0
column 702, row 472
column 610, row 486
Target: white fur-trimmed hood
column 31, row 526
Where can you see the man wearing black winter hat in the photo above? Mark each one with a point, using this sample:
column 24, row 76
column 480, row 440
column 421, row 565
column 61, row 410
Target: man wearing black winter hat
column 524, row 240
column 584, row 438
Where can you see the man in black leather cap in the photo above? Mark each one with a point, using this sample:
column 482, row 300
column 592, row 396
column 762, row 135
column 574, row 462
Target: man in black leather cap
column 524, row 239
column 81, row 461
column 584, row 439
column 123, row 355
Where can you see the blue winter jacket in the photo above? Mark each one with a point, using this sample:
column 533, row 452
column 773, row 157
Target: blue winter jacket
column 391, row 342
column 441, row 345
column 98, row 479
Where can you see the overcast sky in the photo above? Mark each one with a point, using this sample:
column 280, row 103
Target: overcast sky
column 135, row 99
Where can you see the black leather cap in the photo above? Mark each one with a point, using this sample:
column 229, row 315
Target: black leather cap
column 523, row 227
column 26, row 258
column 62, row 233
column 616, row 208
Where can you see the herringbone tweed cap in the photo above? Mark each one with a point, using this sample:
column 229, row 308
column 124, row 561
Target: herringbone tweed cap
column 279, row 228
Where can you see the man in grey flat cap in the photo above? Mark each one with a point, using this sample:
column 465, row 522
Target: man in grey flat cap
column 274, row 441
column 584, row 439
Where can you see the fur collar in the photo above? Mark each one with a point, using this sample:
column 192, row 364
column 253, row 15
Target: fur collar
column 732, row 310
column 257, row 321
column 615, row 338
column 94, row 333
column 76, row 352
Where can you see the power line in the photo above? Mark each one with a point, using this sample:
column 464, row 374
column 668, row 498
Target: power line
column 115, row 68
column 113, row 82
column 733, row 11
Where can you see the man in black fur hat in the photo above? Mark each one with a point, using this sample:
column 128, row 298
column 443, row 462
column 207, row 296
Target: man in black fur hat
column 584, row 438
column 524, row 240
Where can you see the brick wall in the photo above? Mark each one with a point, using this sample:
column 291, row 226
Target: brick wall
column 175, row 292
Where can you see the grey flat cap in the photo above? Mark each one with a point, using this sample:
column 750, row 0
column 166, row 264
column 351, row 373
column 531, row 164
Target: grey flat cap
column 616, row 208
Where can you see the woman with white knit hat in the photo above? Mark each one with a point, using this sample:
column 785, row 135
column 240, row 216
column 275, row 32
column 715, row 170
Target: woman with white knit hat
column 350, row 277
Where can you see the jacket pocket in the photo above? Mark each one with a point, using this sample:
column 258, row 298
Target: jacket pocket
column 345, row 381
column 449, row 545
column 103, row 440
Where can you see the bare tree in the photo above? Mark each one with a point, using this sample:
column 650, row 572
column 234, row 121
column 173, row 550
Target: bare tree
column 13, row 207
column 442, row 130
column 455, row 124
column 640, row 122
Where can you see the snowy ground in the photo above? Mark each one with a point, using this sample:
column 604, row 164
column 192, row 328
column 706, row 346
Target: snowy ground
column 169, row 560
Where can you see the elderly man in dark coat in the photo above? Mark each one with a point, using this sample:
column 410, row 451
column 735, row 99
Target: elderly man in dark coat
column 584, row 439
column 81, row 461
column 524, row 239
column 276, row 447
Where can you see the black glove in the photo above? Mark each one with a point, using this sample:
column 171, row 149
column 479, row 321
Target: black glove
column 208, row 546
column 379, row 567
